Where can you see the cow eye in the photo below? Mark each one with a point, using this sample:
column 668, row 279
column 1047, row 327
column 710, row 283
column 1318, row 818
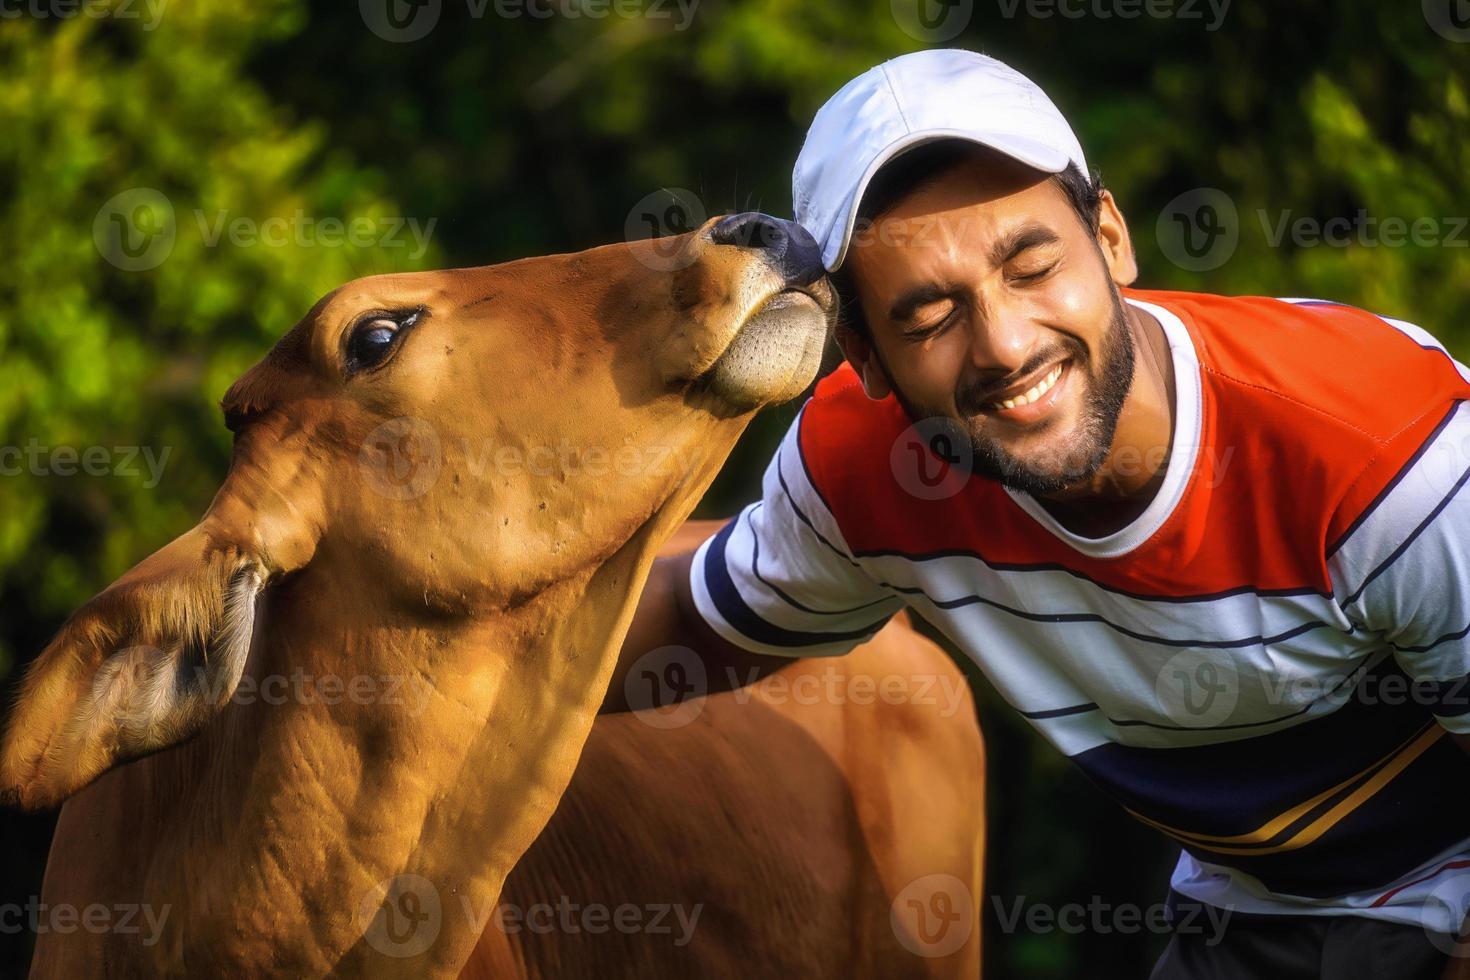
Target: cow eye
column 374, row 338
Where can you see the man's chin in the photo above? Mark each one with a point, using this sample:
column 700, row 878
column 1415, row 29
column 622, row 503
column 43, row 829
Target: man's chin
column 1055, row 458
column 1038, row 482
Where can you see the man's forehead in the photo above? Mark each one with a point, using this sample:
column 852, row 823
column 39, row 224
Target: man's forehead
column 942, row 224
column 990, row 195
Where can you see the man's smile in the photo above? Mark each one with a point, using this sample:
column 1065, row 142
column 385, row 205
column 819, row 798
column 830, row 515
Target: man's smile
column 1034, row 397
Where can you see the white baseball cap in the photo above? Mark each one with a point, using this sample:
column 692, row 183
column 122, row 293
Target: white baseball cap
column 943, row 93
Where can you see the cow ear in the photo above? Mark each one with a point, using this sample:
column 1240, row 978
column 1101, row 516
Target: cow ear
column 137, row 669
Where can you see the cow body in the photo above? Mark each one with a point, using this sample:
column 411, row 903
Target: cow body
column 772, row 833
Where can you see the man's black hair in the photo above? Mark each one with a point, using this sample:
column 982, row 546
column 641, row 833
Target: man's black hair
column 914, row 168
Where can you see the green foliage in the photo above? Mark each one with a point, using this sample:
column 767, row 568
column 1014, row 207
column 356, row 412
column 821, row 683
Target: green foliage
column 99, row 356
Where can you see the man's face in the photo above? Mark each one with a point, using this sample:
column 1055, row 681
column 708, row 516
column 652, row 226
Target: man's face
column 991, row 304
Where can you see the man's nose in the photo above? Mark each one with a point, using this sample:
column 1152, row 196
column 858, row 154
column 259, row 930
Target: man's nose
column 1002, row 342
column 787, row 245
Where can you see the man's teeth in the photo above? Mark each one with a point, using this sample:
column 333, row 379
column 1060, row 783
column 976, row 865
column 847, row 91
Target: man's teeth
column 1034, row 393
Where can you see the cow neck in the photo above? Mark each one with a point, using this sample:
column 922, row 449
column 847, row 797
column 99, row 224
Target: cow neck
column 280, row 822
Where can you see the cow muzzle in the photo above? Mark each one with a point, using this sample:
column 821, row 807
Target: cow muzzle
column 777, row 348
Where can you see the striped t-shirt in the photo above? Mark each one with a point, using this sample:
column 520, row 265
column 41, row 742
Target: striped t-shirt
column 1264, row 665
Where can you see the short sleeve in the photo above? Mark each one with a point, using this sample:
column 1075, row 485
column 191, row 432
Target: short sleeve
column 779, row 579
column 1402, row 570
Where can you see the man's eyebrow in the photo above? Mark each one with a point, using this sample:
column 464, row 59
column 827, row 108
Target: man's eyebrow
column 1018, row 240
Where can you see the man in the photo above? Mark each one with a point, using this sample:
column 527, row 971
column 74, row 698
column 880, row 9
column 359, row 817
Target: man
column 1214, row 549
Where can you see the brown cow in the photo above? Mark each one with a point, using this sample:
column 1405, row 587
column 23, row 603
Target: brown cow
column 376, row 659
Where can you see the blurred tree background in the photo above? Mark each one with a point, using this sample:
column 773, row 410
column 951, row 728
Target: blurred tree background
column 131, row 136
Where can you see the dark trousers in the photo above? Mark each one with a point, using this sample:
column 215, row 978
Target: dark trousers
column 1294, row 947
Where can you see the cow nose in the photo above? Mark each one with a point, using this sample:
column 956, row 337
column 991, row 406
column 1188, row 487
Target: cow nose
column 787, row 245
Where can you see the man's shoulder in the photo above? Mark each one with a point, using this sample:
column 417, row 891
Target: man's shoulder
column 842, row 426
column 1332, row 403
column 1304, row 367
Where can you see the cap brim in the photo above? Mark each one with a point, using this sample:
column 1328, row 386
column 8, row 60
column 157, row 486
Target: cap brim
column 1022, row 149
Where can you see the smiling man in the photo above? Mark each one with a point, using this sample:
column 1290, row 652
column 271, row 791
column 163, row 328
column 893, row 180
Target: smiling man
column 1214, row 549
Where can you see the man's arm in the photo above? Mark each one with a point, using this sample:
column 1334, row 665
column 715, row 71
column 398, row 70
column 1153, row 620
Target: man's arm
column 666, row 616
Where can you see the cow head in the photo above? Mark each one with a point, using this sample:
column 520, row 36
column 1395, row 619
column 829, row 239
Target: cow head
column 456, row 477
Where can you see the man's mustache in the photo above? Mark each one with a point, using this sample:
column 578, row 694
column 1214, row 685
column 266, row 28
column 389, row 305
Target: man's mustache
column 972, row 399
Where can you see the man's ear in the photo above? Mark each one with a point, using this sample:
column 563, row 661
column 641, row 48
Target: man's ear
column 860, row 353
column 139, row 668
column 1113, row 241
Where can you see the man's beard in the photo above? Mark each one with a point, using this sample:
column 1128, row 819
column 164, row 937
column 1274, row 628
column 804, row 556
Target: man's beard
column 1078, row 461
